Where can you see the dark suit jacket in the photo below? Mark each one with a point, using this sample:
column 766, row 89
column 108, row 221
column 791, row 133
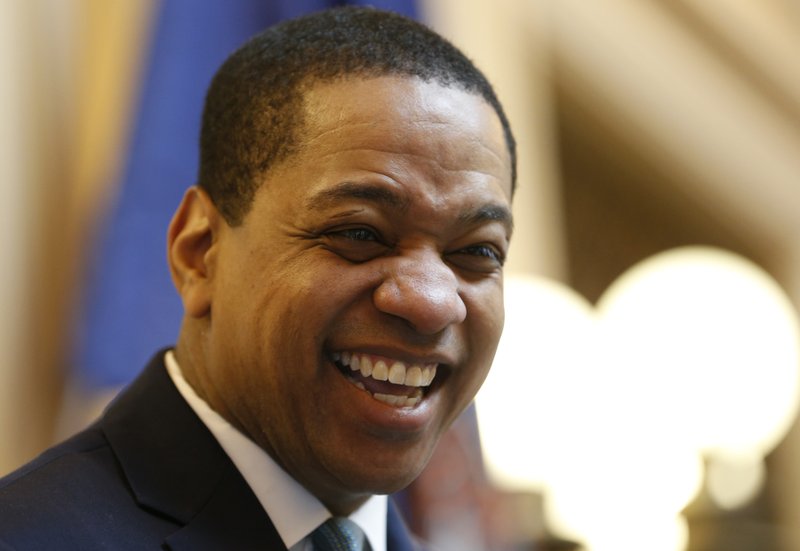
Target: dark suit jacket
column 147, row 475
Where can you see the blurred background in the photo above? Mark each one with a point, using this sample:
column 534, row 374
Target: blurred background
column 646, row 391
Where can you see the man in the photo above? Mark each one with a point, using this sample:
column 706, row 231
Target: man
column 340, row 266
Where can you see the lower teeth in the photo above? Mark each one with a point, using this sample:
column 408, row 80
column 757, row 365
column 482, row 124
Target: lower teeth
column 391, row 399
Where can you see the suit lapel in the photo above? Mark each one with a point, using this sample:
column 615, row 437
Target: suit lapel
column 176, row 468
column 232, row 519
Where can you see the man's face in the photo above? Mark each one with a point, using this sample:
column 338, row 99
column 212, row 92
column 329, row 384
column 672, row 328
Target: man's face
column 376, row 247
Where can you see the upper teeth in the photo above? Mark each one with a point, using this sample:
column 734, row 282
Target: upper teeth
column 394, row 371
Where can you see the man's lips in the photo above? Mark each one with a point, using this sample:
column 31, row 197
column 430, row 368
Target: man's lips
column 390, row 381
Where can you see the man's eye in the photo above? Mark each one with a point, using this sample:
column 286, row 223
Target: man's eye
column 357, row 234
column 478, row 258
column 485, row 251
column 355, row 244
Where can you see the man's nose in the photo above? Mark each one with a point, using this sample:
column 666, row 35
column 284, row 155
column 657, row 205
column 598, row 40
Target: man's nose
column 423, row 291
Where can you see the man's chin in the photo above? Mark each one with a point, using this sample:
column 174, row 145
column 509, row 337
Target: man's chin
column 363, row 480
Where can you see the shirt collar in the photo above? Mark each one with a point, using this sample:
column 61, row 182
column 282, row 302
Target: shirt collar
column 293, row 510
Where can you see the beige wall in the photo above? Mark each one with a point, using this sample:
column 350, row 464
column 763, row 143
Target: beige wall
column 67, row 73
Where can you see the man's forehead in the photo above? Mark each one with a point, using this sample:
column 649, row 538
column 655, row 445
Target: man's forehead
column 374, row 99
column 398, row 109
column 382, row 88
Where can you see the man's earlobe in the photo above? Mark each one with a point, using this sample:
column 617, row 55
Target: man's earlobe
column 191, row 239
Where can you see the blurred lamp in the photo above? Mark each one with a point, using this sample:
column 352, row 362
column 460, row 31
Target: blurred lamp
column 609, row 412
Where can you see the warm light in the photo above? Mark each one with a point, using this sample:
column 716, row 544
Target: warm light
column 713, row 339
column 625, row 484
column 531, row 392
column 733, row 480
column 638, row 532
column 609, row 412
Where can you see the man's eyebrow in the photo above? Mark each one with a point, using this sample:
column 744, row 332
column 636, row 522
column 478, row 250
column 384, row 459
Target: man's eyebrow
column 356, row 190
column 391, row 199
column 489, row 213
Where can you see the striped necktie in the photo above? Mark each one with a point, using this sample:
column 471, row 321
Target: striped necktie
column 339, row 534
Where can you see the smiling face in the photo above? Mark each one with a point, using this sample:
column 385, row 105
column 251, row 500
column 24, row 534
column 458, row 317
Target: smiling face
column 356, row 310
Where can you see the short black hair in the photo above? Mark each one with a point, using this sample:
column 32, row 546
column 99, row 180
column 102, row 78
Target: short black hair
column 253, row 111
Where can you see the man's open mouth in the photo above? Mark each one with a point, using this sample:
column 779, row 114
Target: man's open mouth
column 392, row 382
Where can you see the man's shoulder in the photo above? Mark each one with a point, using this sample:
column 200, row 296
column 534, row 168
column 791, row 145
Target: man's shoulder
column 78, row 495
column 52, row 461
column 69, row 496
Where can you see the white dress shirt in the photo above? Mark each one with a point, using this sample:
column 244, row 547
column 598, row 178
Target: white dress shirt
column 292, row 509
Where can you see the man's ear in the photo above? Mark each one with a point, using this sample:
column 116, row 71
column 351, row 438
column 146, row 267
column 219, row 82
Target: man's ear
column 191, row 241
